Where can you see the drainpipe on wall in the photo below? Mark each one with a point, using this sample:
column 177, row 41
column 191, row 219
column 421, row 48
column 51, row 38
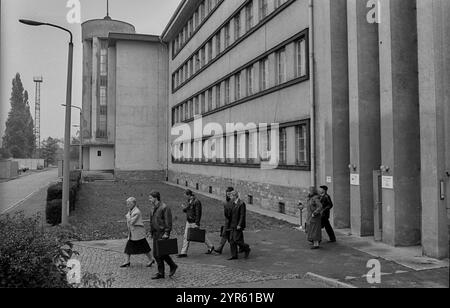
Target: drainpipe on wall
column 312, row 93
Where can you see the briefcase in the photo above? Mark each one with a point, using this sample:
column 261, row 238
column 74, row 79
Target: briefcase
column 166, row 247
column 196, row 235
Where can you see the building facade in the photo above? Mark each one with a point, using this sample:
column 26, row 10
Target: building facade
column 345, row 93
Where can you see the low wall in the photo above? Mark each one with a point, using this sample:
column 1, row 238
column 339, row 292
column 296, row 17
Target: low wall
column 9, row 169
column 31, row 164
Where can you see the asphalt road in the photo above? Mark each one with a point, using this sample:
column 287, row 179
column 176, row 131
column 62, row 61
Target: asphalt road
column 13, row 193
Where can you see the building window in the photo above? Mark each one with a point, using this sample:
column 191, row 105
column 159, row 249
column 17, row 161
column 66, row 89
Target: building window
column 237, row 86
column 262, row 9
column 103, row 58
column 227, row 91
column 210, row 100
column 186, row 72
column 210, row 50
column 264, row 73
column 230, row 148
column 283, row 147
column 218, row 44
column 196, row 106
column 196, row 20
column 252, row 146
column 301, row 145
column 264, row 142
column 191, row 27
column 103, row 99
column 300, row 58
column 249, row 80
column 197, row 61
column 202, row 57
column 202, row 11
column 280, row 58
column 99, row 153
column 218, row 96
column 249, row 16
column 241, row 154
column 237, row 26
column 279, row 3
column 203, row 103
column 227, row 35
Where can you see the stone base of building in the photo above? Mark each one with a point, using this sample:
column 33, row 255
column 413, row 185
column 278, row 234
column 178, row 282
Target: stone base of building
column 145, row 175
column 281, row 199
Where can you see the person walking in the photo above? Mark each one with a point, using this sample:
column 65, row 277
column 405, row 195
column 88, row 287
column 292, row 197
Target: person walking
column 225, row 232
column 313, row 222
column 161, row 226
column 236, row 224
column 327, row 204
column 193, row 210
column 137, row 243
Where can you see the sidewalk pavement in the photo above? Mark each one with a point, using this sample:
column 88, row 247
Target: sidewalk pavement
column 278, row 259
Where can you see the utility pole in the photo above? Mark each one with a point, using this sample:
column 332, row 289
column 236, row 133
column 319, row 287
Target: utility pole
column 37, row 115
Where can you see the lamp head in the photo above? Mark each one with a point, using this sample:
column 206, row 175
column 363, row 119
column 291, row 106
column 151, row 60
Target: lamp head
column 31, row 22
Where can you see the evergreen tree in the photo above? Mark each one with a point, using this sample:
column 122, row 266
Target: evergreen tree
column 19, row 134
column 49, row 151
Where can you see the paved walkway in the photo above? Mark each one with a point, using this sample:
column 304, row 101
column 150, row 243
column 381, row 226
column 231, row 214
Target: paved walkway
column 15, row 192
column 278, row 259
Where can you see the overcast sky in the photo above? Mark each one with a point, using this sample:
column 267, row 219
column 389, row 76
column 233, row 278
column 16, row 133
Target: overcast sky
column 36, row 51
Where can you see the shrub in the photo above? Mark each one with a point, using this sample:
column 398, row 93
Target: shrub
column 53, row 212
column 30, row 257
column 54, row 192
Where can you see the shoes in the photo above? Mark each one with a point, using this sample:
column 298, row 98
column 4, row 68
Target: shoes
column 315, row 247
column 173, row 271
column 158, row 276
column 247, row 253
column 232, row 258
column 218, row 251
column 210, row 251
column 332, row 241
column 183, row 255
column 125, row 265
column 151, row 263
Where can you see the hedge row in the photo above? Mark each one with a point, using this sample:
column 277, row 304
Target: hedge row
column 54, row 198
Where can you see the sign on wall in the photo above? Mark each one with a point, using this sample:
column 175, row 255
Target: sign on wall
column 387, row 182
column 354, row 179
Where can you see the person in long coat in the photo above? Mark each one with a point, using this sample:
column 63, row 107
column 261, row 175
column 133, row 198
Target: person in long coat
column 313, row 222
column 225, row 232
column 137, row 242
column 236, row 222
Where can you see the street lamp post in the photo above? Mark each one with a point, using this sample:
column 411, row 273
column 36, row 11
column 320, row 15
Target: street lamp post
column 66, row 168
column 80, row 156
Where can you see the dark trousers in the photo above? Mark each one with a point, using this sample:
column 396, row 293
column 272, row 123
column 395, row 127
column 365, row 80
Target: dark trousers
column 237, row 240
column 161, row 259
column 326, row 224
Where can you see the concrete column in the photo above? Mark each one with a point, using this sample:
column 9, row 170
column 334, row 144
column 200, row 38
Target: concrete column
column 332, row 119
column 434, row 77
column 364, row 94
column 400, row 133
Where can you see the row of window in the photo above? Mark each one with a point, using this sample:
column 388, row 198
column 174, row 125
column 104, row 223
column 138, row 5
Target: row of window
column 246, row 82
column 250, row 148
column 241, row 23
column 102, row 90
column 202, row 12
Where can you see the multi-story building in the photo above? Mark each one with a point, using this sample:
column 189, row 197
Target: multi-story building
column 344, row 93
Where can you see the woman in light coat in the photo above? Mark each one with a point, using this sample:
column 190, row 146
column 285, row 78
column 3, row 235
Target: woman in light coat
column 313, row 222
column 137, row 243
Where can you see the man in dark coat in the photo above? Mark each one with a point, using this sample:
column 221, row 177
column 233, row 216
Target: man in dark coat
column 237, row 223
column 160, row 228
column 225, row 232
column 327, row 204
column 193, row 210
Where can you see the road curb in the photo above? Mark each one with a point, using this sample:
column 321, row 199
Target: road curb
column 328, row 281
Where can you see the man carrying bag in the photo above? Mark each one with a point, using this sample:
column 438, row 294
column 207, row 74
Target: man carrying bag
column 193, row 210
column 161, row 226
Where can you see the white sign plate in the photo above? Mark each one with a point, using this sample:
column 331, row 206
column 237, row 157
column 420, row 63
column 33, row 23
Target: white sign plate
column 387, row 182
column 329, row 180
column 354, row 179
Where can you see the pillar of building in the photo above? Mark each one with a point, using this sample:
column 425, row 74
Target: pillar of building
column 400, row 129
column 364, row 101
column 434, row 77
column 332, row 108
